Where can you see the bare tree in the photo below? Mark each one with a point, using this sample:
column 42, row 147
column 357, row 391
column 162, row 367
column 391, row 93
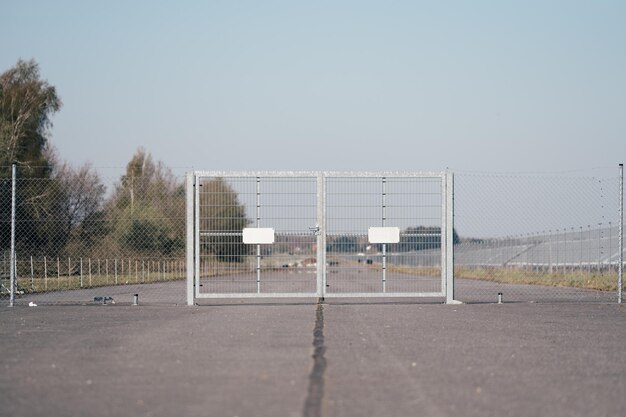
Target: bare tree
column 82, row 194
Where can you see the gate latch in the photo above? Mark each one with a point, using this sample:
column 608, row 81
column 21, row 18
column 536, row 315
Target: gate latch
column 315, row 230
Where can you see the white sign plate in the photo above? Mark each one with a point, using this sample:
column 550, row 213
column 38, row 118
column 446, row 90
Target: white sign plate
column 258, row 235
column 383, row 235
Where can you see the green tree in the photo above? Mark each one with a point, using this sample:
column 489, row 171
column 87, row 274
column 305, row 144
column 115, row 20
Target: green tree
column 347, row 244
column 222, row 220
column 421, row 238
column 26, row 105
column 147, row 208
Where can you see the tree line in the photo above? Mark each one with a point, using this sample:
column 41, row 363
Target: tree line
column 415, row 238
column 64, row 210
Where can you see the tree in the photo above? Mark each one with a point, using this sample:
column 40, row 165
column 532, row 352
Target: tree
column 421, row 238
column 26, row 105
column 146, row 210
column 347, row 244
column 81, row 201
column 222, row 218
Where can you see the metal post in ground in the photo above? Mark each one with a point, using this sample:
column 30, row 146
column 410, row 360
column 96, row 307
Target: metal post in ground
column 12, row 267
column 620, row 268
column 599, row 247
column 610, row 267
column 581, row 250
column 258, row 224
column 45, row 273
column 32, row 274
column 448, row 240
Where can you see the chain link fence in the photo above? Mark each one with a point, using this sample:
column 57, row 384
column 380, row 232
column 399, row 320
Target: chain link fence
column 82, row 239
column 537, row 237
column 78, row 241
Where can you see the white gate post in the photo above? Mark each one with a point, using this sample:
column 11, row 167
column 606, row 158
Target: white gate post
column 190, row 187
column 321, row 235
column 449, row 238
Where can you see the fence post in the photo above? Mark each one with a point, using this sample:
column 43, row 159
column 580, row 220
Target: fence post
column 12, row 260
column 32, row 274
column 190, row 248
column 620, row 268
column 449, row 238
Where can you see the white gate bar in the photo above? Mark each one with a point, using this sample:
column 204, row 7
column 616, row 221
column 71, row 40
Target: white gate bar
column 190, row 238
column 327, row 174
column 321, row 235
column 384, row 294
column 449, row 250
column 443, row 234
column 326, row 295
column 196, row 193
column 255, row 295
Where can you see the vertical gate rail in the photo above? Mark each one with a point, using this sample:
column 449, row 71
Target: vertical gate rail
column 448, row 249
column 318, row 180
column 190, row 186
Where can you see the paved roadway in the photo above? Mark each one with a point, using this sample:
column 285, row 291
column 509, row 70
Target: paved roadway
column 296, row 358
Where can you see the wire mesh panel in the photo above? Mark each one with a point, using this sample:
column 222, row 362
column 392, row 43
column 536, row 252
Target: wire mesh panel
column 284, row 206
column 323, row 235
column 408, row 265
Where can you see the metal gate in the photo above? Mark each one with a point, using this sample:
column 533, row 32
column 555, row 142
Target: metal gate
column 319, row 234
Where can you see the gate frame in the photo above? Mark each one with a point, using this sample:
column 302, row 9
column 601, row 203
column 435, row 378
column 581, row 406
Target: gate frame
column 447, row 236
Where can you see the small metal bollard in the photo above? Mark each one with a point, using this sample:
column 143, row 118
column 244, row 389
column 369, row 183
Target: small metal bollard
column 136, row 299
column 499, row 298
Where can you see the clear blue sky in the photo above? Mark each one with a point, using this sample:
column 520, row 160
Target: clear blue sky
column 343, row 85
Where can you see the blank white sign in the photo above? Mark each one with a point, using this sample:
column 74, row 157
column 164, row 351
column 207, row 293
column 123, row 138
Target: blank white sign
column 258, row 235
column 383, row 235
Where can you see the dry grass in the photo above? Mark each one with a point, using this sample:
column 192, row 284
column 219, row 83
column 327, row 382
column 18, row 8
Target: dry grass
column 73, row 282
column 574, row 279
column 606, row 281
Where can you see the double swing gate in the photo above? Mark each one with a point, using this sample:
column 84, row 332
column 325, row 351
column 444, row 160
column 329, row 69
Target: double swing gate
column 319, row 234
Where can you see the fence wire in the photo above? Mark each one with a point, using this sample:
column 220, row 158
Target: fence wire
column 536, row 237
column 530, row 237
column 78, row 241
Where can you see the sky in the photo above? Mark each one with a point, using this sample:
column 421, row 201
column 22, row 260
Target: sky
column 496, row 86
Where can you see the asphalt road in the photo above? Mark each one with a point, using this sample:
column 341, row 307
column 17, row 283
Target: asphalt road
column 296, row 358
